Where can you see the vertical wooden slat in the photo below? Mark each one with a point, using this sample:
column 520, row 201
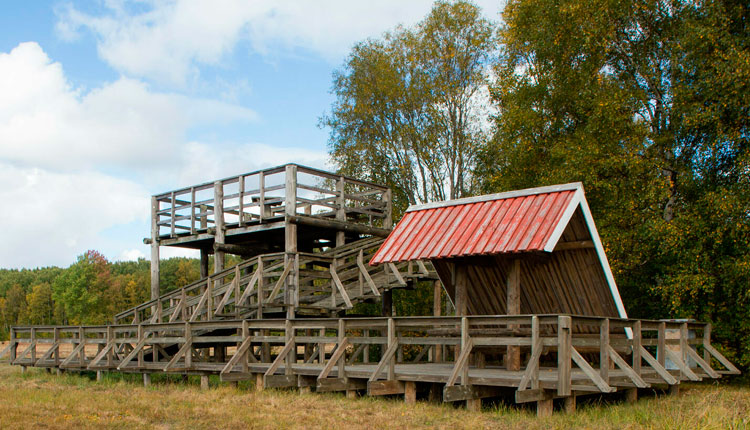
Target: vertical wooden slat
column 534, row 346
column 245, row 334
column 604, row 350
column 261, row 286
column 56, row 338
column 563, row 355
column 110, row 341
column 464, row 343
column 291, row 357
column 341, row 209
column 82, row 341
column 141, row 333
column 33, row 346
column 262, row 197
column 172, row 215
column 391, row 340
column 189, row 339
column 290, row 238
column 637, row 347
column 707, row 341
column 219, row 224
column 192, row 210
column 341, row 332
column 387, row 198
column 242, row 200
column 661, row 352
column 13, row 345
column 154, row 248
column 437, row 310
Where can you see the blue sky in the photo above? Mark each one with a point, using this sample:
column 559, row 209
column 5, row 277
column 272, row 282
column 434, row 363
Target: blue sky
column 103, row 103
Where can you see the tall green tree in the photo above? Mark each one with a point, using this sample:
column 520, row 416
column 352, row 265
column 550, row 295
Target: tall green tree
column 410, row 108
column 646, row 102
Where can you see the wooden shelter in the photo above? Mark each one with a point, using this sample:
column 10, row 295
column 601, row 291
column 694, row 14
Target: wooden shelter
column 532, row 251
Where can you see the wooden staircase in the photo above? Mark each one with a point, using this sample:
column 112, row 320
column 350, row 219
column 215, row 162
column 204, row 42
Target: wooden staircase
column 315, row 284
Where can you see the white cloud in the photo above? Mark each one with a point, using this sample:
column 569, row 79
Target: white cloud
column 45, row 122
column 167, row 41
column 49, row 217
column 59, row 147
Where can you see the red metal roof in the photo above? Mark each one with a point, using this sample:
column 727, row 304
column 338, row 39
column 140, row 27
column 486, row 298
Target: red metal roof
column 503, row 223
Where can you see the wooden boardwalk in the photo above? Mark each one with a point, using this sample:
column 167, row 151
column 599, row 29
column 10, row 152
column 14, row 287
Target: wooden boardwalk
column 454, row 358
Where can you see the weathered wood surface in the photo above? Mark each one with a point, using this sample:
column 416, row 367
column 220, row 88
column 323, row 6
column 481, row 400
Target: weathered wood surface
column 320, row 287
column 327, row 354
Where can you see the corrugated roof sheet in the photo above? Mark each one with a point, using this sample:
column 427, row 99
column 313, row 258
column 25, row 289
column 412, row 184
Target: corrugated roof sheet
column 496, row 224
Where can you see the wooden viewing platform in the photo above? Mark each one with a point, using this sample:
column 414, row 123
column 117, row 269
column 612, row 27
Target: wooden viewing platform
column 454, row 358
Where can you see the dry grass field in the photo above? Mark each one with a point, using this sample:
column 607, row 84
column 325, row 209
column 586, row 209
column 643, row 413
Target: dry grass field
column 37, row 399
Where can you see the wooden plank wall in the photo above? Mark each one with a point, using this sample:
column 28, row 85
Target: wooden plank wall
column 570, row 280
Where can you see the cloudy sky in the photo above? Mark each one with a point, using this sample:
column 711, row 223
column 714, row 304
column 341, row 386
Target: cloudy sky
column 104, row 103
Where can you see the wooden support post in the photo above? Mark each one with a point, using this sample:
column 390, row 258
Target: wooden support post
column 661, row 348
column 410, row 392
column 291, row 283
column 146, row 379
column 391, row 340
column 437, row 308
column 141, row 335
column 707, row 341
column 154, row 248
column 631, row 395
column 674, row 390
column 204, row 382
column 387, row 303
column 258, row 382
column 604, row 350
column 461, row 283
column 387, row 199
column 564, row 355
column 544, row 408
column 513, row 353
column 204, row 263
column 99, row 375
column 56, row 339
column 13, row 345
column 82, row 341
column 341, row 209
column 291, row 357
column 637, row 349
column 219, row 224
column 570, row 404
column 474, row 405
column 33, row 346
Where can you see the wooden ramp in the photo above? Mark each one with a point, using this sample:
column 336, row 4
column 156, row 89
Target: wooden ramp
column 453, row 358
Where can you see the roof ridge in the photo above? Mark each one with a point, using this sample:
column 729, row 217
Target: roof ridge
column 571, row 186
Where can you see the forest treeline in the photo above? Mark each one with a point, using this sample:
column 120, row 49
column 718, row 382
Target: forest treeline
column 647, row 102
column 90, row 291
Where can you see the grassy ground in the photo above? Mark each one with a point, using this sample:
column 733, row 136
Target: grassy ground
column 40, row 400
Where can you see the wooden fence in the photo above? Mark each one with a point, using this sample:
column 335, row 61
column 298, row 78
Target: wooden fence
column 463, row 356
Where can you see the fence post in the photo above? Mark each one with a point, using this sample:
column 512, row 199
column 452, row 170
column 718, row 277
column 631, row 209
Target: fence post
column 604, row 350
column 563, row 355
column 637, row 347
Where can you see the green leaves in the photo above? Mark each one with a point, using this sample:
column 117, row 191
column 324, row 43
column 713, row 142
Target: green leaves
column 409, row 111
column 647, row 102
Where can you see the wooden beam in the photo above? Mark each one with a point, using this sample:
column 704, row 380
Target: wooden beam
column 337, row 225
column 581, row 244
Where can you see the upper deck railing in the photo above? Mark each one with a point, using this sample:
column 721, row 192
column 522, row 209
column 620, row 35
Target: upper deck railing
column 269, row 195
